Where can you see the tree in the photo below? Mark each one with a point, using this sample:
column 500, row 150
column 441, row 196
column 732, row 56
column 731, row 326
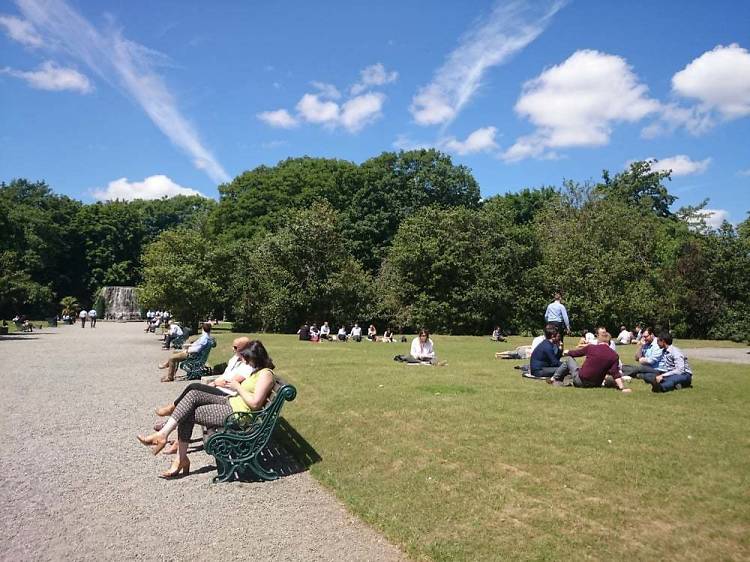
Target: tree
column 70, row 306
column 301, row 272
column 641, row 187
column 178, row 275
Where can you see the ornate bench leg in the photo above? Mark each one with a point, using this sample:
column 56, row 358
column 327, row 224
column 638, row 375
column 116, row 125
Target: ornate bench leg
column 262, row 472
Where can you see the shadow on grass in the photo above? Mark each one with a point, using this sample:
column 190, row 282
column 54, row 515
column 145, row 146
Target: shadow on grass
column 287, row 453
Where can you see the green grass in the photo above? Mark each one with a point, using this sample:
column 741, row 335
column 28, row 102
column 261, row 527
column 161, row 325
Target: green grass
column 472, row 462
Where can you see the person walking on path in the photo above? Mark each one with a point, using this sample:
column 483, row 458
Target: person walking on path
column 557, row 315
column 83, row 315
column 92, row 318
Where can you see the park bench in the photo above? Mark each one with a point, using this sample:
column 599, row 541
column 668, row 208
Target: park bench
column 195, row 366
column 179, row 341
column 238, row 446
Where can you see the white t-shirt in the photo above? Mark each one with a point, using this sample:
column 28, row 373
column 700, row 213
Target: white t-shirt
column 420, row 350
column 175, row 330
column 356, row 331
column 624, row 337
column 536, row 341
column 324, row 330
column 82, row 314
column 590, row 338
column 235, row 366
column 92, row 313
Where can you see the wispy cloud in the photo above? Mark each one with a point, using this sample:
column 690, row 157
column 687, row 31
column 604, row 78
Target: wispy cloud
column 50, row 76
column 128, row 66
column 373, row 75
column 744, row 172
column 679, row 165
column 510, row 27
column 20, row 30
column 279, row 118
column 153, row 187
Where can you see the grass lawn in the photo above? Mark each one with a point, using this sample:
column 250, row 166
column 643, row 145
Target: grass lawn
column 472, row 462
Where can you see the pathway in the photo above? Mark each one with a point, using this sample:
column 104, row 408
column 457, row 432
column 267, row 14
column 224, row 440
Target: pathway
column 77, row 485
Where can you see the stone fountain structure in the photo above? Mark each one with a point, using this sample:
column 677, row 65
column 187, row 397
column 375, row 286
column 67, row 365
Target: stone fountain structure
column 120, row 303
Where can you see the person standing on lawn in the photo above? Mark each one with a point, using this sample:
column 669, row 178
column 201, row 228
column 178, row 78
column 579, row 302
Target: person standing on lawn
column 557, row 314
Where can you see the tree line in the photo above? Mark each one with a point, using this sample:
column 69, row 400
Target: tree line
column 402, row 239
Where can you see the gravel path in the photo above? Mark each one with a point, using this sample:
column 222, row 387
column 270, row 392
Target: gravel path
column 77, row 485
column 726, row 355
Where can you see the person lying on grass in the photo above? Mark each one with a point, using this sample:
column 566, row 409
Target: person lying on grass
column 601, row 361
column 210, row 410
column 674, row 372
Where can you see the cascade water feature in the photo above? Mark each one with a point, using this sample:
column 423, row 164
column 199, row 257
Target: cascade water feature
column 120, row 303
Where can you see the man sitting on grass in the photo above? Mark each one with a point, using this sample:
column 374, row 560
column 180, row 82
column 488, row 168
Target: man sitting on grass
column 649, row 357
column 675, row 372
column 600, row 361
column 195, row 348
column 545, row 359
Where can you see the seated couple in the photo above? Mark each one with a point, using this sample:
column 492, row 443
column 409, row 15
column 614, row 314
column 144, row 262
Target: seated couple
column 209, row 405
column 660, row 363
column 195, row 348
column 422, row 352
column 497, row 334
column 601, row 360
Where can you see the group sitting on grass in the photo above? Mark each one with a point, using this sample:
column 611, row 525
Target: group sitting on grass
column 660, row 363
column 245, row 386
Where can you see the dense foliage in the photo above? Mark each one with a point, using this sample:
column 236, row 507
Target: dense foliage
column 401, row 239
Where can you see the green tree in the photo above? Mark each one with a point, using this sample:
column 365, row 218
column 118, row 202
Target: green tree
column 178, row 275
column 301, row 272
column 641, row 187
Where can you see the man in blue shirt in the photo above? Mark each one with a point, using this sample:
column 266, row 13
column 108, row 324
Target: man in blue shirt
column 674, row 372
column 557, row 315
column 649, row 357
column 545, row 359
column 195, row 348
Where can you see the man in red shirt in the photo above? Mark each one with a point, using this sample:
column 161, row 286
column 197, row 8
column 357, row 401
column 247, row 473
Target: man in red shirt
column 601, row 360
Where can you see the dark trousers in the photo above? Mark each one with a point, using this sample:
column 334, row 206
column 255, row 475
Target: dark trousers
column 93, row 322
column 202, row 387
column 544, row 372
column 639, row 371
column 570, row 367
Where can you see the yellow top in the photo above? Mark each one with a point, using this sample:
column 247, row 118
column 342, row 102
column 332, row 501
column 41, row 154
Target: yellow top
column 236, row 402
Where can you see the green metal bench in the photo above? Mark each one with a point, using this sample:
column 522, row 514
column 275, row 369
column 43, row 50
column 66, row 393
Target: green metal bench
column 179, row 341
column 195, row 366
column 238, row 446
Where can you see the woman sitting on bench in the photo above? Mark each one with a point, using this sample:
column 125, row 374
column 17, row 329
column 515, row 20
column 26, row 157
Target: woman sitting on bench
column 210, row 410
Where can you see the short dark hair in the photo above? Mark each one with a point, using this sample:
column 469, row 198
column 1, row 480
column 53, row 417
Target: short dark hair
column 648, row 329
column 666, row 337
column 206, row 327
column 550, row 331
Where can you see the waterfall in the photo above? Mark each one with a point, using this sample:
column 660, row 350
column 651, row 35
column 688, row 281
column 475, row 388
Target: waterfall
column 120, row 303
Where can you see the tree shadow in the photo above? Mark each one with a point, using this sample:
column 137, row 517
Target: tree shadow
column 24, row 336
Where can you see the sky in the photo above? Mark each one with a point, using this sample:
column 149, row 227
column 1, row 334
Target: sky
column 113, row 99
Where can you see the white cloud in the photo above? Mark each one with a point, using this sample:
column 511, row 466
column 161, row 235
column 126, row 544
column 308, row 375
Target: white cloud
column 715, row 217
column 577, row 103
column 361, row 110
column 744, row 172
column 404, row 142
column 125, row 64
column 20, row 30
column 50, row 76
column 719, row 82
column 326, row 90
column 153, row 187
column 510, row 27
column 481, row 140
column 313, row 109
column 279, row 118
column 680, row 165
column 719, row 79
column 373, row 75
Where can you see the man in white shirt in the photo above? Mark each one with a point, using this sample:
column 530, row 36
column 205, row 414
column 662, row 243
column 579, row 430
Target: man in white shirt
column 92, row 318
column 625, row 336
column 195, row 348
column 236, row 368
column 175, row 331
column 356, row 333
column 83, row 315
column 325, row 331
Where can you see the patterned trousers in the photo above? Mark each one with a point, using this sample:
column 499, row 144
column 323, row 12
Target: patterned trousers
column 202, row 408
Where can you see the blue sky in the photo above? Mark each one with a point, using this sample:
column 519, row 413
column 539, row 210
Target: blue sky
column 139, row 99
